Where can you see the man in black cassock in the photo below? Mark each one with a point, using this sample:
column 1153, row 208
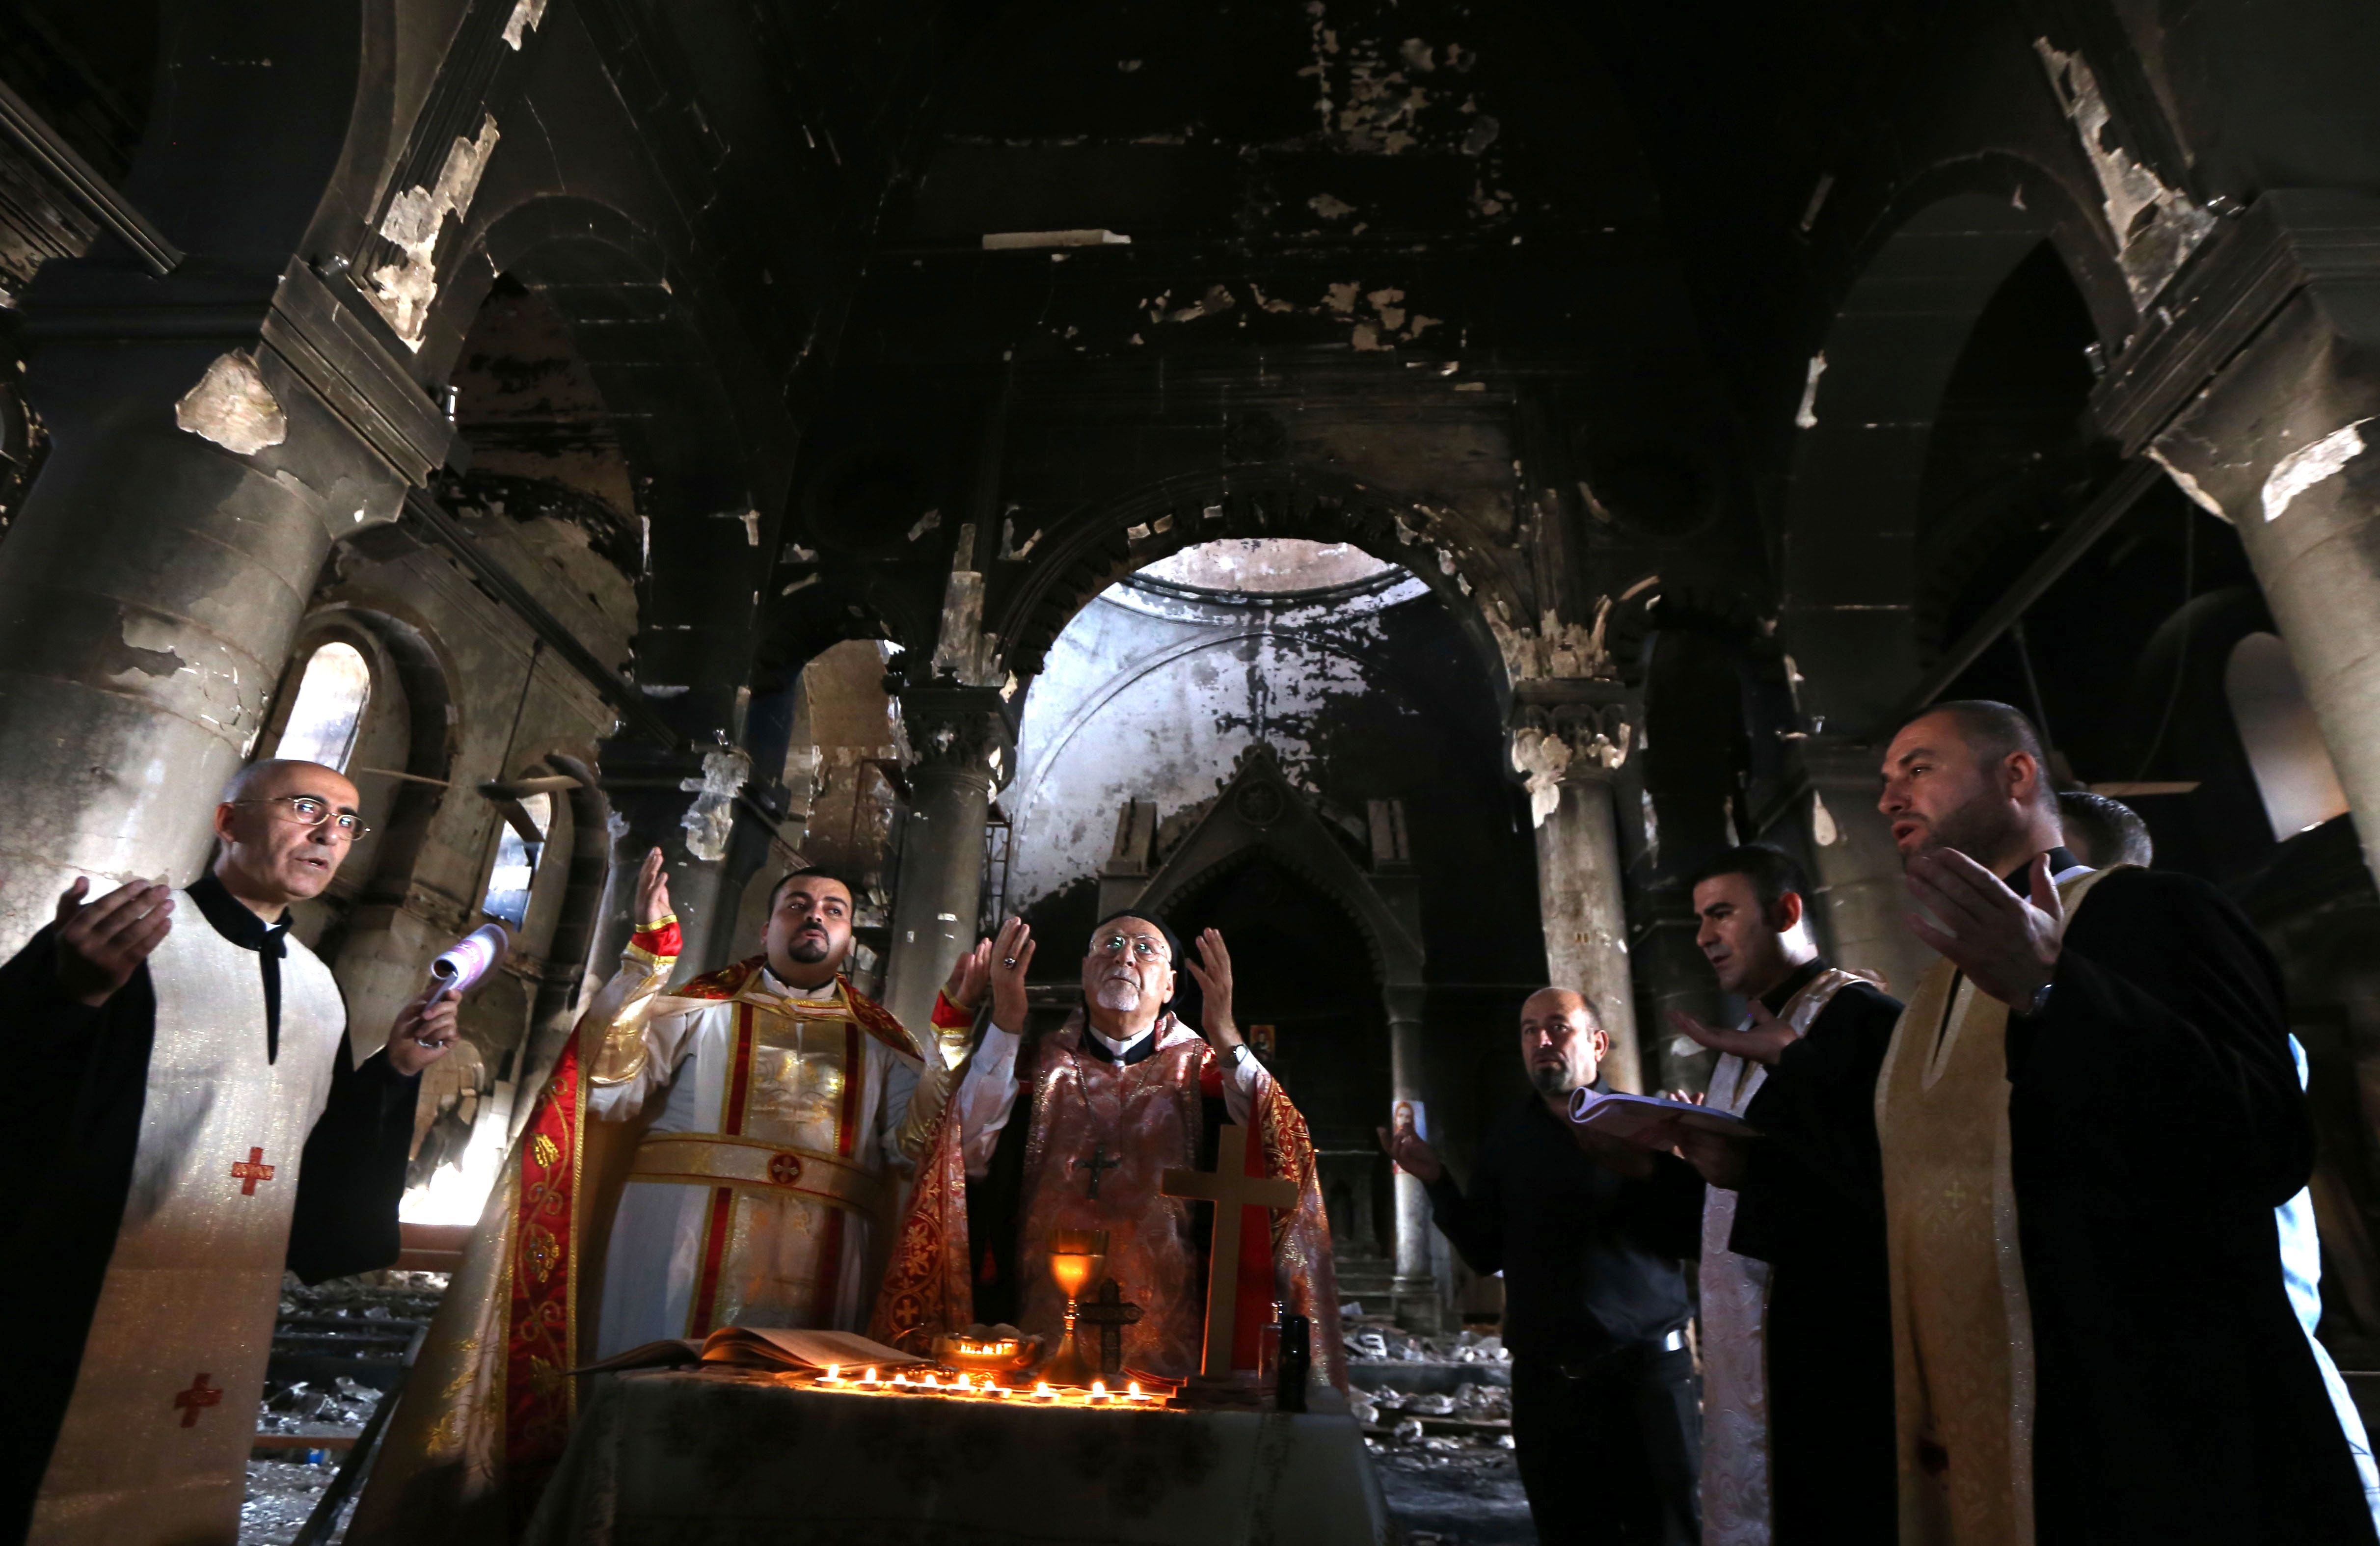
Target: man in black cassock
column 1809, row 1201
column 2127, row 1035
column 81, row 1010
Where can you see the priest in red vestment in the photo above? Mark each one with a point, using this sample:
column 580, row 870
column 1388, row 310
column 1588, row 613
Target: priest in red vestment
column 1075, row 1131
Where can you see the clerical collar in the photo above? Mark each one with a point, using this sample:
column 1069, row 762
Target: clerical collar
column 1125, row 1053
column 234, row 919
column 784, row 990
column 1776, row 998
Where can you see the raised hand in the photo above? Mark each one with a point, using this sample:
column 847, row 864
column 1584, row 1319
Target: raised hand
column 1010, row 956
column 1214, row 980
column 1412, row 1157
column 425, row 1028
column 2007, row 945
column 1764, row 1042
column 652, row 891
column 101, row 944
column 969, row 975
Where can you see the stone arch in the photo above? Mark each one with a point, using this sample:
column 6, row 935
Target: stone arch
column 1875, row 385
column 1098, row 547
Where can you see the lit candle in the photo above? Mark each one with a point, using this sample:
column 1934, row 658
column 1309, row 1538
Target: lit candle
column 833, row 1372
column 1043, row 1392
column 1098, row 1392
column 1132, row 1392
column 871, row 1382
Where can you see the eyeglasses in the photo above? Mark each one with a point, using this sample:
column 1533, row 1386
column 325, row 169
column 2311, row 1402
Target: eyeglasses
column 1142, row 945
column 306, row 810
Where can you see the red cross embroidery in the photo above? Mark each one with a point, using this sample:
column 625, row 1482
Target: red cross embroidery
column 200, row 1393
column 784, row 1169
column 249, row 1171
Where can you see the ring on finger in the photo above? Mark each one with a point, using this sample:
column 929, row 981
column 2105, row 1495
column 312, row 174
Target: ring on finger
column 1008, row 960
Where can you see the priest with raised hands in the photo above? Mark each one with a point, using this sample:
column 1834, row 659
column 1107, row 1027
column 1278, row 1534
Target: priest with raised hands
column 2088, row 1114
column 1077, row 1129
column 183, row 1071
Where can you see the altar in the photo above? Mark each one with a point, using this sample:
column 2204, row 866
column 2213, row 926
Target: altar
column 668, row 1457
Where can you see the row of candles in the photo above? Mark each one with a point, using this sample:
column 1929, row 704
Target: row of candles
column 1043, row 1393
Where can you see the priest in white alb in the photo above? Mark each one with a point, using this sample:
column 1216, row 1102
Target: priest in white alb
column 180, row 1064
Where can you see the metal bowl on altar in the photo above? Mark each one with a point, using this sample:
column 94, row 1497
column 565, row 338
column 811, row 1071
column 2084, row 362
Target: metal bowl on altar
column 988, row 1350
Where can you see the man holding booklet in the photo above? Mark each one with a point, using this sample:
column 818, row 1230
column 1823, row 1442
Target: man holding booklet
column 1796, row 1315
column 1588, row 1230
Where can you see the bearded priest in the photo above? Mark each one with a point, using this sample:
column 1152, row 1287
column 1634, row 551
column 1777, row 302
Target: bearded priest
column 1075, row 1131
column 715, row 1156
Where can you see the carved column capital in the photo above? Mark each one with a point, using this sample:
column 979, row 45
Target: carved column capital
column 960, row 731
column 1569, row 730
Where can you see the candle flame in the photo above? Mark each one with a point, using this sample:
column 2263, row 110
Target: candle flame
column 1098, row 1387
column 1132, row 1392
column 833, row 1369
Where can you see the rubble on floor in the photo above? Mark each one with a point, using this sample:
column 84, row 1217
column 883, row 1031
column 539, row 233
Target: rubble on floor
column 1437, row 1416
column 337, row 1348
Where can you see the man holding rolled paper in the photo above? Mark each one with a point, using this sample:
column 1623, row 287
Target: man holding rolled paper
column 187, row 1090
column 1588, row 1230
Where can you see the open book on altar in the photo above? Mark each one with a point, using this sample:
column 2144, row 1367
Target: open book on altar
column 761, row 1348
column 1633, row 1117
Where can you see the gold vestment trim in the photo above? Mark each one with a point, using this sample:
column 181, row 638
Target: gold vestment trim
column 711, row 1160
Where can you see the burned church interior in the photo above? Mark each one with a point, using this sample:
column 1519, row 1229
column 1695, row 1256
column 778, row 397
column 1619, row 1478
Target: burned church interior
column 1405, row 484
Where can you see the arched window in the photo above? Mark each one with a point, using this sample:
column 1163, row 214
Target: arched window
column 2293, row 765
column 329, row 708
column 516, row 851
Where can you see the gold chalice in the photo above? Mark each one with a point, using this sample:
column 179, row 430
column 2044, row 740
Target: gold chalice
column 1076, row 1259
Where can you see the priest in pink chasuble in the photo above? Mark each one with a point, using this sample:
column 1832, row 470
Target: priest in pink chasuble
column 723, row 1153
column 1075, row 1131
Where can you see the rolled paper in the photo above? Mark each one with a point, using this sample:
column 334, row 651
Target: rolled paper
column 462, row 964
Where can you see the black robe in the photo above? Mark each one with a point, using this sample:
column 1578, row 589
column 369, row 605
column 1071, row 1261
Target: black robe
column 1811, row 1206
column 79, row 1083
column 2156, row 1122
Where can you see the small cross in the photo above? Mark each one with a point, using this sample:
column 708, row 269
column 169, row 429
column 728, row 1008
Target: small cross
column 1110, row 1314
column 248, row 1173
column 784, row 1169
column 200, row 1393
column 1228, row 1185
column 1097, row 1163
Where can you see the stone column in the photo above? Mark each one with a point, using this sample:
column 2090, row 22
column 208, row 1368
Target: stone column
column 1569, row 737
column 1414, row 1293
column 2280, row 442
column 962, row 743
column 1862, row 907
column 151, row 588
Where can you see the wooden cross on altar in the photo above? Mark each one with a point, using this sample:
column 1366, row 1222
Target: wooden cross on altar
column 1229, row 1188
column 1097, row 1163
column 249, row 1171
column 200, row 1395
column 1111, row 1315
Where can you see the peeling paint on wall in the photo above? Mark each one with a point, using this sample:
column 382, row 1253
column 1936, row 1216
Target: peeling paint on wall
column 712, row 816
column 1807, row 416
column 523, row 22
column 2156, row 227
column 1541, row 760
column 2308, row 466
column 232, row 406
column 1554, row 648
column 2188, row 485
column 402, row 292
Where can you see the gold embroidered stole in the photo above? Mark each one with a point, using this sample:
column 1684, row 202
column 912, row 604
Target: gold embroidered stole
column 789, row 1161
column 1962, row 1325
column 155, row 1440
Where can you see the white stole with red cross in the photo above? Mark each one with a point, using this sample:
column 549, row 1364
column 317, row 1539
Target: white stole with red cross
column 155, row 1440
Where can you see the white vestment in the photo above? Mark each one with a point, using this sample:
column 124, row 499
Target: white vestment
column 154, row 1448
column 1734, row 1321
column 660, row 1237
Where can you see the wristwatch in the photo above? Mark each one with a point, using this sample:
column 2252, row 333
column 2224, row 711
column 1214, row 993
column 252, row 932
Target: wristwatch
column 2040, row 1000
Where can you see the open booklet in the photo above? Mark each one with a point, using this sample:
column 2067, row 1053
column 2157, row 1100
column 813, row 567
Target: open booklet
column 761, row 1348
column 1633, row 1117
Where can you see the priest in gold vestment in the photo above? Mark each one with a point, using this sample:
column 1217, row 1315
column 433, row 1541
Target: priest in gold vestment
column 1076, row 1130
column 2088, row 1115
column 719, row 1153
